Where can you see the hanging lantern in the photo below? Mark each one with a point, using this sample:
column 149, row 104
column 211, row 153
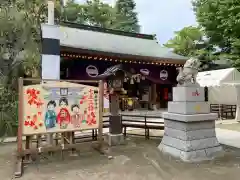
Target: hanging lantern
column 130, row 103
column 116, row 81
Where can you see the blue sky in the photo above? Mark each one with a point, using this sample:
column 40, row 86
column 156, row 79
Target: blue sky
column 163, row 17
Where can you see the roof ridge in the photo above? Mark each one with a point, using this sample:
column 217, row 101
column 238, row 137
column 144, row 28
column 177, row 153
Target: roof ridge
column 108, row 31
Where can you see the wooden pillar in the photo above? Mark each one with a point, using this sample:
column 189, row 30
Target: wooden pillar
column 150, row 97
column 154, row 96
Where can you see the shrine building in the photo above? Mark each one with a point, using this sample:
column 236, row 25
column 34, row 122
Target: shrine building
column 82, row 52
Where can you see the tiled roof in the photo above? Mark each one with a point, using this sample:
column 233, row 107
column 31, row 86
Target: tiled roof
column 108, row 41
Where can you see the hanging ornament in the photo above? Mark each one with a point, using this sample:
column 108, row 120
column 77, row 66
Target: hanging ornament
column 131, row 81
column 67, row 73
column 111, row 91
column 138, row 93
column 125, row 79
column 138, row 79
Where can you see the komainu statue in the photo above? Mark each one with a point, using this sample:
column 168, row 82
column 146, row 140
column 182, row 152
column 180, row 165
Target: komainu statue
column 187, row 74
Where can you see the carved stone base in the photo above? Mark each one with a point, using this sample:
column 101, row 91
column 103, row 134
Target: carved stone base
column 190, row 141
column 194, row 155
column 154, row 107
column 114, row 139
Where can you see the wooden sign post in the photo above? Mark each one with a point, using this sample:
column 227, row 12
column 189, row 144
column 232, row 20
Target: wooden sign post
column 59, row 108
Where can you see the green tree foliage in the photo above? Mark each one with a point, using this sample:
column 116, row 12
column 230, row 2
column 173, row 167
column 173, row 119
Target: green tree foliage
column 125, row 16
column 191, row 41
column 99, row 14
column 20, row 26
column 20, row 51
column 185, row 41
column 20, row 40
column 221, row 22
column 20, row 35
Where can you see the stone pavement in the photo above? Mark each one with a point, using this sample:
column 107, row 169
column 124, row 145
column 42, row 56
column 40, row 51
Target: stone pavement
column 228, row 121
column 228, row 137
column 137, row 160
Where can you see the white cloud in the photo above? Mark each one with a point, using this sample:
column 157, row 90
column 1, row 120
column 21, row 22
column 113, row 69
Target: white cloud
column 163, row 17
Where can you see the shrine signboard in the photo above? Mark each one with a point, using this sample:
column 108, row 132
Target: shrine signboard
column 59, row 107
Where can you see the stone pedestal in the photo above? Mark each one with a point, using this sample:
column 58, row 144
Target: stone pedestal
column 114, row 139
column 115, row 124
column 190, row 127
column 115, row 136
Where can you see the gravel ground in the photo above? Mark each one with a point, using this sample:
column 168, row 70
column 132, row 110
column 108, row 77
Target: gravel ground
column 139, row 159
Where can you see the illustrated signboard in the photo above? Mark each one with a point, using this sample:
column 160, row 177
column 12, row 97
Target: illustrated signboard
column 60, row 107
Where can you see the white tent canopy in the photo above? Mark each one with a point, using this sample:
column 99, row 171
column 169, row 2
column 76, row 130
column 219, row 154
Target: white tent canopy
column 220, row 83
column 218, row 77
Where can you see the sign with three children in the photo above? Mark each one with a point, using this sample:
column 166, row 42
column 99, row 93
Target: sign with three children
column 59, row 107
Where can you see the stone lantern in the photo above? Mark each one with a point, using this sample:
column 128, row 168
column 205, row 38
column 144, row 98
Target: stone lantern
column 115, row 78
column 115, row 81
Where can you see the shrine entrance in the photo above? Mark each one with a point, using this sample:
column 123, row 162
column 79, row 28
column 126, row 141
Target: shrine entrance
column 144, row 90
